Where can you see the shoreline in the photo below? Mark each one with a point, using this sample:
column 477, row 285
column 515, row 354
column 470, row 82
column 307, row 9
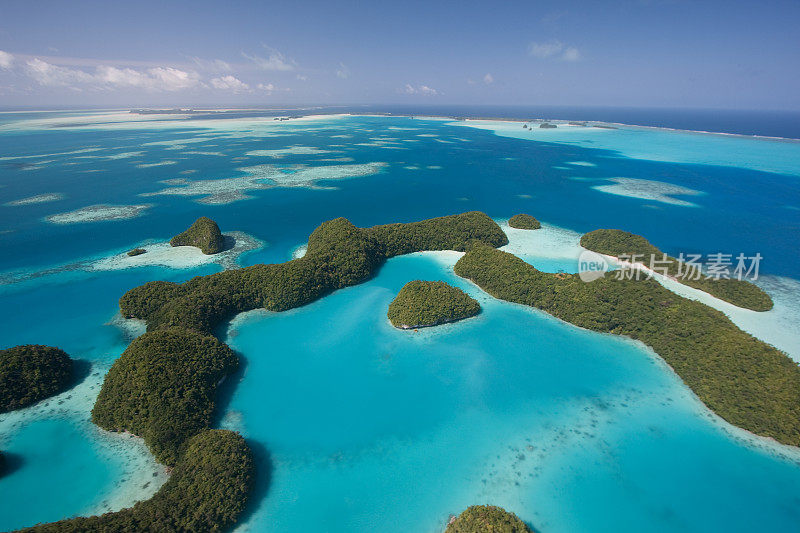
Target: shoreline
column 320, row 114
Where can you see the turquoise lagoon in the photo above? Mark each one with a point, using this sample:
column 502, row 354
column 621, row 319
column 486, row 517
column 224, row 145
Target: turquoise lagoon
column 358, row 426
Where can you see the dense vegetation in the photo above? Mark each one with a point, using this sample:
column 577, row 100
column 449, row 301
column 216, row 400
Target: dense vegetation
column 428, row 303
column 523, row 221
column 487, row 519
column 745, row 381
column 616, row 243
column 136, row 251
column 207, row 491
column 339, row 255
column 30, row 373
column 162, row 388
column 204, row 234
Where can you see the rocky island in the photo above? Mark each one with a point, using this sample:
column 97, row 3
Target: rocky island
column 422, row 304
column 487, row 518
column 30, row 373
column 203, row 234
column 618, row 243
column 523, row 221
column 745, row 381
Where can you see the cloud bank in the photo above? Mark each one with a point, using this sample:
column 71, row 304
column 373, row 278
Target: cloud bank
column 554, row 49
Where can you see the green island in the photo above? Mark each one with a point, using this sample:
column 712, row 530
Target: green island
column 207, row 491
column 136, row 251
column 742, row 379
column 203, row 234
column 618, row 243
column 164, row 386
column 338, row 255
column 486, row 519
column 162, row 389
column 30, row 373
column 429, row 303
column 523, row 221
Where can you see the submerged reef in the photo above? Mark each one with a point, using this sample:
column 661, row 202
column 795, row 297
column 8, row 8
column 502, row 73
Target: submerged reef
column 30, row 373
column 98, row 213
column 619, row 243
column 747, row 382
column 429, row 303
column 523, row 221
column 203, row 234
column 487, row 518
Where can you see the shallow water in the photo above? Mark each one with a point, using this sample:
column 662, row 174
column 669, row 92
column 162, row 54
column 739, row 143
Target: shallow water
column 362, row 426
column 511, row 407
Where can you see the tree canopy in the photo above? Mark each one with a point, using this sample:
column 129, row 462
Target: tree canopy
column 487, row 519
column 618, row 243
column 428, row 303
column 30, row 373
column 523, row 221
column 203, row 234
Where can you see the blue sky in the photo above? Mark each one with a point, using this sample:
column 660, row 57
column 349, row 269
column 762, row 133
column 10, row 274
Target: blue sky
column 661, row 53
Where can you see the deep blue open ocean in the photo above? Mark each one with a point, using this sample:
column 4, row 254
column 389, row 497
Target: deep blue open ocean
column 363, row 427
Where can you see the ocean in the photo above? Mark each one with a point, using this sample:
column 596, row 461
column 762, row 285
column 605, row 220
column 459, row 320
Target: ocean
column 358, row 426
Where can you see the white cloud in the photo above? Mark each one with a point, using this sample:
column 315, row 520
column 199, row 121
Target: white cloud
column 6, row 60
column 212, row 65
column 420, row 89
column 571, row 54
column 230, row 83
column 275, row 60
column 554, row 49
column 488, row 79
column 267, row 88
column 51, row 75
column 105, row 77
column 152, row 79
column 545, row 49
column 302, row 77
column 343, row 72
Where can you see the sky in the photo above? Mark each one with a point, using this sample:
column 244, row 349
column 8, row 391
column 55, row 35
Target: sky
column 637, row 53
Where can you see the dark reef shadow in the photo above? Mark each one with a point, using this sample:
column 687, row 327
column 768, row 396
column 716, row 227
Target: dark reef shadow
column 226, row 390
column 80, row 371
column 10, row 463
column 262, row 481
column 228, row 242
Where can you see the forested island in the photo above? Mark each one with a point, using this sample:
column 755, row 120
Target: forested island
column 429, row 303
column 203, row 234
column 487, row 519
column 744, row 380
column 166, row 410
column 618, row 243
column 30, row 373
column 164, row 386
column 523, row 221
